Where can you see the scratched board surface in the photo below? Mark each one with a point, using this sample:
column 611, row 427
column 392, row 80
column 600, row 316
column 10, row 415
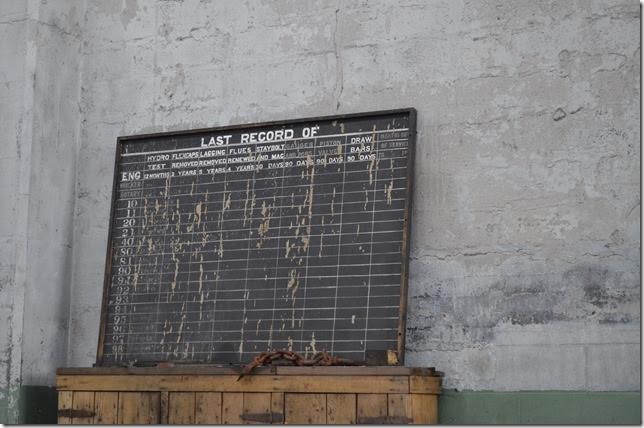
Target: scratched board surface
column 228, row 242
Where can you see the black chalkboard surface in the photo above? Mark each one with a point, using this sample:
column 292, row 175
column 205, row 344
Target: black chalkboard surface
column 228, row 242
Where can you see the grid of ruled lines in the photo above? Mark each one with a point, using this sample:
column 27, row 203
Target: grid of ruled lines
column 220, row 253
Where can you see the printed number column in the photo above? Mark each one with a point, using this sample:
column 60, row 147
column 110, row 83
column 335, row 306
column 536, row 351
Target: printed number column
column 124, row 243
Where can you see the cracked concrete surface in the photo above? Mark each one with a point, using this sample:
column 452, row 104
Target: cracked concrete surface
column 525, row 233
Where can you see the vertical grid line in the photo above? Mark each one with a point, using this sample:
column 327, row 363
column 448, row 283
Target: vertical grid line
column 165, row 233
column 337, row 277
column 193, row 244
column 306, row 269
column 269, row 343
column 245, row 297
column 216, row 278
column 373, row 213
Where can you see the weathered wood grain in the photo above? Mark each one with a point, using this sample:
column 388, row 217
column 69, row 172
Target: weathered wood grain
column 83, row 401
column 232, row 407
column 265, row 383
column 208, row 408
column 139, row 408
column 181, row 408
column 106, row 407
column 305, row 408
column 341, row 409
column 65, row 403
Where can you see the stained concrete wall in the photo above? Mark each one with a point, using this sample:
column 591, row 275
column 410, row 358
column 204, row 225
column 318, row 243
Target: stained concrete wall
column 14, row 193
column 525, row 233
column 39, row 124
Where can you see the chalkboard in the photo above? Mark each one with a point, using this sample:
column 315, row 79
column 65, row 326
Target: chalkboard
column 228, row 242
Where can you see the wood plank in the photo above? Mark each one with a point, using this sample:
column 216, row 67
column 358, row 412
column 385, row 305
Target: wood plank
column 215, row 383
column 255, row 404
column 341, row 409
column 305, row 408
column 164, row 405
column 127, row 407
column 351, row 370
column 139, row 408
column 424, row 408
column 277, row 405
column 196, row 369
column 178, row 370
column 425, row 384
column 65, row 403
column 181, row 408
column 399, row 406
column 151, row 408
column 83, row 401
column 106, row 408
column 208, row 408
column 232, row 407
column 371, row 406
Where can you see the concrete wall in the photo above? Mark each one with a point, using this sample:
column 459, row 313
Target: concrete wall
column 39, row 123
column 525, row 249
column 14, row 193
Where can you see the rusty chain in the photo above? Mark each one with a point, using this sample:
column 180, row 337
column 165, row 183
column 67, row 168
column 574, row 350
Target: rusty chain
column 319, row 359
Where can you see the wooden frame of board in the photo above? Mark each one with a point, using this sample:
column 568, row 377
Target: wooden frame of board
column 399, row 360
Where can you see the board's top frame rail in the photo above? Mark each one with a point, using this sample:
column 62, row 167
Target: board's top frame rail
column 129, row 138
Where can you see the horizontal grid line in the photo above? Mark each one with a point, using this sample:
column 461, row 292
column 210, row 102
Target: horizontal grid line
column 360, row 192
column 250, row 329
column 298, row 319
column 272, row 228
column 263, row 268
column 301, row 207
column 245, row 229
column 237, row 290
column 249, row 299
column 244, row 259
column 392, row 210
column 262, row 248
column 262, row 238
column 193, row 342
column 256, row 310
column 273, row 278
column 284, row 151
column 299, row 176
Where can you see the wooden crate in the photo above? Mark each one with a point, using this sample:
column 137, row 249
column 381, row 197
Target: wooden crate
column 211, row 395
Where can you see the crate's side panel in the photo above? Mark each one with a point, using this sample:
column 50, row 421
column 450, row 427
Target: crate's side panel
column 208, row 408
column 424, row 408
column 304, row 408
column 140, row 408
column 64, row 404
column 232, row 407
column 269, row 399
column 106, row 408
column 341, row 409
column 83, row 401
column 181, row 408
